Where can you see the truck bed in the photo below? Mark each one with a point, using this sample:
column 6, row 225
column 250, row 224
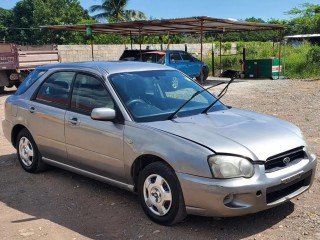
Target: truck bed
column 32, row 59
column 26, row 57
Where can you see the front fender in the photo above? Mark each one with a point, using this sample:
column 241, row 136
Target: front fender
column 182, row 155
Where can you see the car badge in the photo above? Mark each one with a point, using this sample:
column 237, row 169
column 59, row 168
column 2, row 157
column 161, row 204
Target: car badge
column 286, row 160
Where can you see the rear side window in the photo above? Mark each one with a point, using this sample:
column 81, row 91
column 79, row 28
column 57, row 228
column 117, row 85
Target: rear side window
column 55, row 89
column 29, row 80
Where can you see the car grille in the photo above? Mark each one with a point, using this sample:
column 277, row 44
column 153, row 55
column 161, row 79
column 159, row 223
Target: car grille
column 276, row 162
column 280, row 191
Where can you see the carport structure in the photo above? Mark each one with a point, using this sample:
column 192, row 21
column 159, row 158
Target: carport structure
column 190, row 25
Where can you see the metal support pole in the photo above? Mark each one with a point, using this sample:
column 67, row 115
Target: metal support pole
column 220, row 70
column 201, row 50
column 284, row 57
column 131, row 39
column 212, row 60
column 185, row 47
column 279, row 55
column 243, row 67
column 244, row 54
column 140, row 41
column 92, row 48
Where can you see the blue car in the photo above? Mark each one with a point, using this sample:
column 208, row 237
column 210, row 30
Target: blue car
column 180, row 60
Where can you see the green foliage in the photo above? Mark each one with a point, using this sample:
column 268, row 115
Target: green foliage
column 300, row 62
column 29, row 15
column 5, row 19
column 314, row 54
column 307, row 19
column 226, row 46
column 115, row 11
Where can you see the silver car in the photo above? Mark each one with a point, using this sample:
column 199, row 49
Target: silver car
column 150, row 129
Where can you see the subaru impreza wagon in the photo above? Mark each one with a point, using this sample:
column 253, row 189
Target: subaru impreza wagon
column 152, row 130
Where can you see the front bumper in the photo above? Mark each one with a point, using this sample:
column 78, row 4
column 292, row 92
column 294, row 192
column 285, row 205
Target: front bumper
column 240, row 196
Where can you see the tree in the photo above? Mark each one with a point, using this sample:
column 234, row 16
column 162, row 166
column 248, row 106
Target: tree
column 115, row 11
column 5, row 18
column 307, row 19
column 29, row 15
column 264, row 36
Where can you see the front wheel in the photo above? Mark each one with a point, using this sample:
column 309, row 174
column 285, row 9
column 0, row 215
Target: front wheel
column 28, row 153
column 160, row 194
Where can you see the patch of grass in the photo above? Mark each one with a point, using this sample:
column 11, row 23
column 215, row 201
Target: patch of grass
column 298, row 60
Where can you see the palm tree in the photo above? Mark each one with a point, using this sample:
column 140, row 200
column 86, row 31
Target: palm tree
column 114, row 11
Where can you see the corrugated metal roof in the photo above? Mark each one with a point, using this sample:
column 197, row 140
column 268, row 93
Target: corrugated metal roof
column 192, row 25
column 303, row 36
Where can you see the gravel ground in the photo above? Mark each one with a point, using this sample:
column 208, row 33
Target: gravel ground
column 60, row 205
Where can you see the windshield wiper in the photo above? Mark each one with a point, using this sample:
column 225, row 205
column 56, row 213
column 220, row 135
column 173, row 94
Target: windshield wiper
column 174, row 114
column 220, row 95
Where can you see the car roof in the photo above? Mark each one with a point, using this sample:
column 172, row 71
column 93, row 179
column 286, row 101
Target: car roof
column 109, row 67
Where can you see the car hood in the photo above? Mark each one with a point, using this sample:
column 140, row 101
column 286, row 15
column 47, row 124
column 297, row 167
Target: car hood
column 236, row 131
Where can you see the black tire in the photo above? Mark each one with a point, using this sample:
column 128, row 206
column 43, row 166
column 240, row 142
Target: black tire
column 173, row 210
column 205, row 71
column 28, row 153
column 17, row 84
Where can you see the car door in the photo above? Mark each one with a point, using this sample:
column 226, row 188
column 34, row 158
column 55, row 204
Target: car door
column 46, row 115
column 176, row 61
column 92, row 145
column 192, row 68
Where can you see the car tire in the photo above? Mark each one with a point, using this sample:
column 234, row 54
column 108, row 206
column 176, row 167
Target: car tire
column 160, row 194
column 205, row 71
column 28, row 153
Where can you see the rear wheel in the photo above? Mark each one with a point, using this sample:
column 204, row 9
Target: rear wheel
column 28, row 153
column 17, row 84
column 160, row 194
column 205, row 72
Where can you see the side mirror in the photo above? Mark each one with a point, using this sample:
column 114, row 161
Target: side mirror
column 104, row 114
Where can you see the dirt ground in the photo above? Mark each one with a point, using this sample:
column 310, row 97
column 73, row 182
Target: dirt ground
column 61, row 205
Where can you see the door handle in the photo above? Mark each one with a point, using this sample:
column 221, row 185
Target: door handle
column 74, row 121
column 32, row 109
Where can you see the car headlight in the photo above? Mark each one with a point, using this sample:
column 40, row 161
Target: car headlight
column 224, row 166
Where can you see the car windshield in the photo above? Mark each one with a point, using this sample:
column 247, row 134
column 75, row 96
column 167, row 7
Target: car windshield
column 155, row 95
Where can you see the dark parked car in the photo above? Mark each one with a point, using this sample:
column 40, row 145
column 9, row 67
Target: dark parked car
column 133, row 55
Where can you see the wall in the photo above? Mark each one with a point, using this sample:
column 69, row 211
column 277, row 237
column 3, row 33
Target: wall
column 78, row 53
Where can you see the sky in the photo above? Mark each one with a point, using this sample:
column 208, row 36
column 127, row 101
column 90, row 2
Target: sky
column 234, row 9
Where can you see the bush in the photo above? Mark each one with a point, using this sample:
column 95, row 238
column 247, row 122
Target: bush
column 314, row 54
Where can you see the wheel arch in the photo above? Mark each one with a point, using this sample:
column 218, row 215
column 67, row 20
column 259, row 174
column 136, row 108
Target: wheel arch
column 141, row 162
column 14, row 133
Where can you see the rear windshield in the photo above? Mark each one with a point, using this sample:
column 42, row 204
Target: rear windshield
column 29, row 80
